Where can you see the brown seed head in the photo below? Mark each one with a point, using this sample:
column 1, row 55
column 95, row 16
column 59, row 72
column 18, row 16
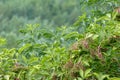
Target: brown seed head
column 85, row 44
column 69, row 65
column 117, row 9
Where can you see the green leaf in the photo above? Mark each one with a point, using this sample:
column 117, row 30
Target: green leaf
column 95, row 37
column 48, row 35
column 71, row 35
column 114, row 78
column 24, row 47
column 86, row 63
column 87, row 73
column 89, row 35
column 24, row 59
column 114, row 14
column 80, row 79
column 101, row 76
column 2, row 41
column 33, row 59
column 81, row 73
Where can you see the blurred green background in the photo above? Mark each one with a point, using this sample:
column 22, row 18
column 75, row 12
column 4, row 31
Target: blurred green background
column 15, row 14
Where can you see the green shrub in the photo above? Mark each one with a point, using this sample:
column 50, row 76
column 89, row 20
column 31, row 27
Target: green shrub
column 64, row 53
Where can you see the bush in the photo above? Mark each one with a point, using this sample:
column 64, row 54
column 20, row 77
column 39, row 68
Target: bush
column 64, row 53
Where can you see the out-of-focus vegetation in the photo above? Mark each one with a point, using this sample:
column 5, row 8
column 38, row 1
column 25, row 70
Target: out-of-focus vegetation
column 46, row 41
column 50, row 13
column 54, row 13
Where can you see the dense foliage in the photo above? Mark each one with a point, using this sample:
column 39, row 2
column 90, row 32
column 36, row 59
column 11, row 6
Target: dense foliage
column 87, row 49
column 47, row 54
